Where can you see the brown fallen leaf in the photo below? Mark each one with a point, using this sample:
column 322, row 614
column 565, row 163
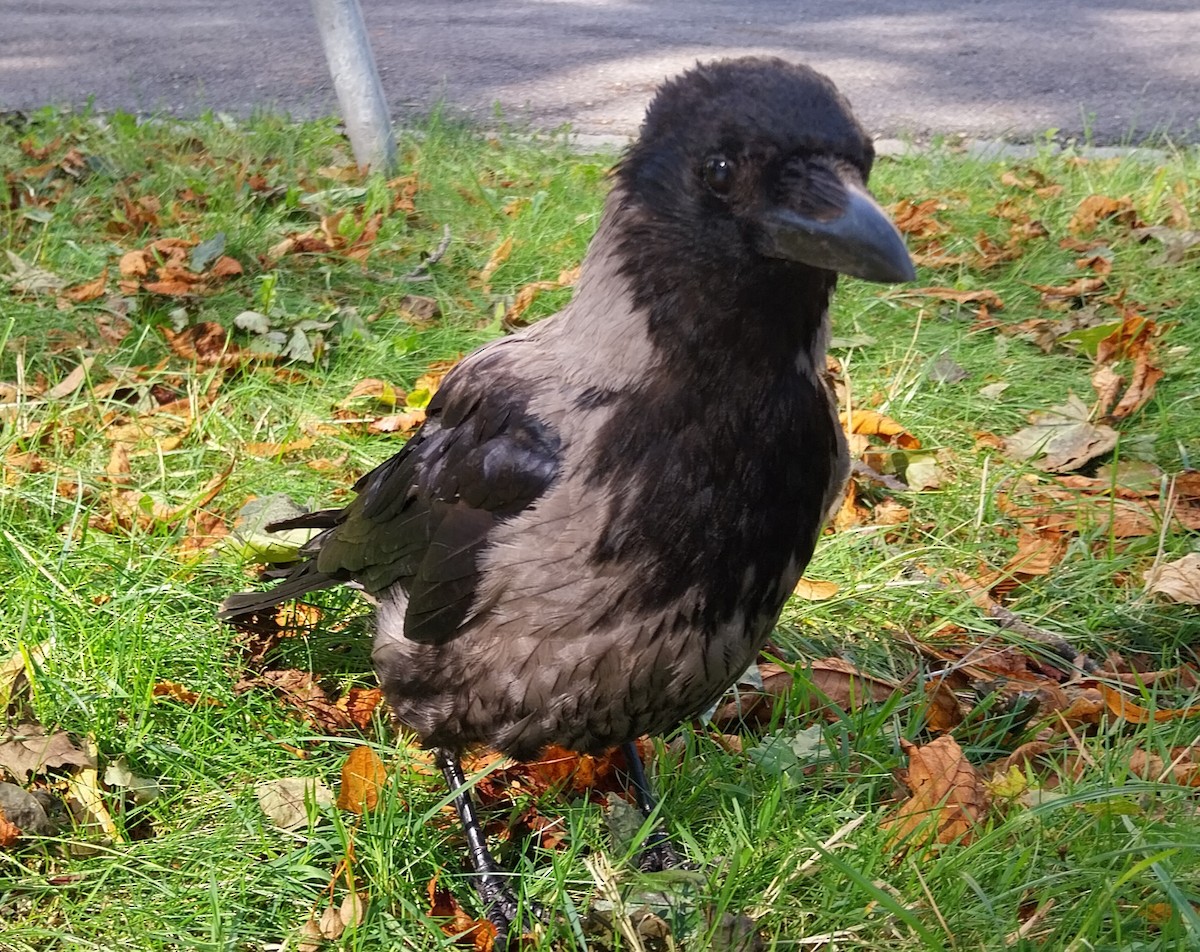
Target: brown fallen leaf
column 984, row 296
column 275, row 450
column 1087, row 504
column 1178, row 243
column 477, row 934
column 1097, row 208
column 301, row 692
column 833, row 685
column 872, row 423
column 9, row 833
column 359, row 705
column 363, row 776
column 1178, row 581
column 26, row 750
column 814, row 590
column 948, row 797
column 916, row 219
column 374, row 390
column 177, row 692
column 1074, row 293
column 498, row 256
column 1108, row 384
column 1183, row 768
column 82, row 293
column 405, row 422
column 207, row 343
column 943, row 710
column 1061, row 439
column 1144, row 379
column 419, row 310
column 117, row 470
column 1119, row 704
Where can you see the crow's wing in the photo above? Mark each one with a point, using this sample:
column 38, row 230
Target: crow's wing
column 421, row 519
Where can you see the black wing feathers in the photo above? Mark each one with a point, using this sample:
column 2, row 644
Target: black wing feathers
column 421, row 519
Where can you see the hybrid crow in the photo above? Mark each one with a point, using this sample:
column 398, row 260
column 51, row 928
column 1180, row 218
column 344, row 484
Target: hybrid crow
column 596, row 528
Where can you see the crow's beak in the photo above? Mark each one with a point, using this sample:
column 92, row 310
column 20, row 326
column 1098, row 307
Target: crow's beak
column 849, row 233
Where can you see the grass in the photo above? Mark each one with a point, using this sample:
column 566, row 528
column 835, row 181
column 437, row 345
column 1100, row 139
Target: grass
column 1100, row 858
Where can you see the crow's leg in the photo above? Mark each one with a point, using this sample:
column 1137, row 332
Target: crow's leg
column 658, row 852
column 492, row 882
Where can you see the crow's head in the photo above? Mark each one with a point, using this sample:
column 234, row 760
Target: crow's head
column 759, row 162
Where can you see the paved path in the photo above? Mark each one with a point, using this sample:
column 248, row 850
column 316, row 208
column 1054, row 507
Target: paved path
column 988, row 68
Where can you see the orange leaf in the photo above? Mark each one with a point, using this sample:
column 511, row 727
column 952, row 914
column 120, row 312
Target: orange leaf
column 943, row 711
column 363, row 775
column 949, row 798
column 873, row 423
column 498, row 257
column 226, row 267
column 81, row 293
column 177, row 692
column 1127, row 710
column 477, row 934
column 1097, row 208
column 9, row 832
column 359, row 705
column 812, row 590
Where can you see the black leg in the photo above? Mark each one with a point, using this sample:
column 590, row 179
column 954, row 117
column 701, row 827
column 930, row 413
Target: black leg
column 492, row 882
column 658, row 852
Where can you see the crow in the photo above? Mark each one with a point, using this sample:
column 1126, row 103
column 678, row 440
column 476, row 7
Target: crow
column 597, row 526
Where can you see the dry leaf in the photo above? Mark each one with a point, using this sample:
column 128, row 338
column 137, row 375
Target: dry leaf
column 82, row 293
column 1144, row 379
column 278, row 449
column 1183, row 768
column 943, row 710
column 374, row 389
column 498, row 257
column 477, row 934
column 359, row 705
column 1097, row 208
column 285, row 801
column 812, row 590
column 206, row 343
column 363, row 776
column 418, row 309
column 117, row 468
column 1178, row 581
column 1061, row 439
column 989, row 298
column 1122, row 707
column 873, row 423
column 949, row 798
column 177, row 692
column 302, row 692
column 26, row 750
column 405, row 422
column 916, row 218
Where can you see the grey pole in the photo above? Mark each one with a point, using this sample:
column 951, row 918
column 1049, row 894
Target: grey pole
column 359, row 91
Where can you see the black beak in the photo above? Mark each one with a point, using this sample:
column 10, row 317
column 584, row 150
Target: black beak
column 849, row 234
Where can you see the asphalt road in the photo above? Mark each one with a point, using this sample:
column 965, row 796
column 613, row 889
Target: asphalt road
column 987, row 68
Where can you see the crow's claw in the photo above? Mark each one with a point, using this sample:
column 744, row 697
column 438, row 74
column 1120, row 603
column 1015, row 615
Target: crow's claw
column 660, row 853
column 503, row 910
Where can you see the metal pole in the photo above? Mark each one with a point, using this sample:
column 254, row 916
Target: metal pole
column 359, row 91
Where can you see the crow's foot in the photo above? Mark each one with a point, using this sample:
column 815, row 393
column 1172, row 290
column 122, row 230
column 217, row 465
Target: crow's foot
column 504, row 911
column 660, row 853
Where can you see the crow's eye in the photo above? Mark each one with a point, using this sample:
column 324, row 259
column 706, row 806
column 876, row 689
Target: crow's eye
column 718, row 174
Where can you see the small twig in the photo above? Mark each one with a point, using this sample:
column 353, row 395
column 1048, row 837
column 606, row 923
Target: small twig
column 420, row 272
